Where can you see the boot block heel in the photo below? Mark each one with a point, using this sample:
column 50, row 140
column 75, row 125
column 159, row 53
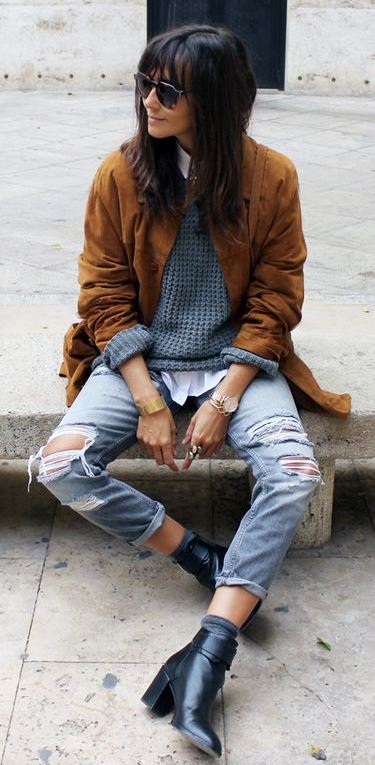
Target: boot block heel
column 159, row 696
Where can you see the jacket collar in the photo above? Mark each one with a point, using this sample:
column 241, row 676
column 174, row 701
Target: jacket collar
column 249, row 149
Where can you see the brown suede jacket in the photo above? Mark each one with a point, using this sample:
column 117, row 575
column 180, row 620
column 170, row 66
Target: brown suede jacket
column 121, row 268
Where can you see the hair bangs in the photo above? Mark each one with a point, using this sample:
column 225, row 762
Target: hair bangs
column 169, row 59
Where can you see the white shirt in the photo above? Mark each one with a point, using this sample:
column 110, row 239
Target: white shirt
column 194, row 382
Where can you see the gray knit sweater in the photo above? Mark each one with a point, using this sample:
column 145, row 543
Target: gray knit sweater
column 191, row 328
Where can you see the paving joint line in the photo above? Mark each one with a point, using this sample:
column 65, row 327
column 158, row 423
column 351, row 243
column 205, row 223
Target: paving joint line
column 28, row 634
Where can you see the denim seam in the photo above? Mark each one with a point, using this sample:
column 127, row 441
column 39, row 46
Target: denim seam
column 254, row 506
column 107, row 450
column 250, row 517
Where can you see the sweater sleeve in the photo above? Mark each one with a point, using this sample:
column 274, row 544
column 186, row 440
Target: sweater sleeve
column 126, row 344
column 233, row 355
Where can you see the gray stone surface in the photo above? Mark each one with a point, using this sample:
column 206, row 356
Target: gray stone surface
column 33, row 398
column 91, row 713
column 86, row 622
column 19, row 582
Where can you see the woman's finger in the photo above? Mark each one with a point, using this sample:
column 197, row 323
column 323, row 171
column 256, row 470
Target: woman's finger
column 158, row 455
column 168, row 458
column 145, row 446
column 148, row 449
column 189, row 431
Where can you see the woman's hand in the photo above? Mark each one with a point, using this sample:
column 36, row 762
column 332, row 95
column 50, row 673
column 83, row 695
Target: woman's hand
column 158, row 434
column 207, row 427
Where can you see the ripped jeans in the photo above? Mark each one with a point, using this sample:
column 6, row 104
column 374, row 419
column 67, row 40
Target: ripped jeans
column 265, row 431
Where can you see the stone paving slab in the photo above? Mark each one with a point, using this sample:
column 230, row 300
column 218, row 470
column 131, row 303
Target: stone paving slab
column 332, row 599
column 19, row 582
column 116, row 595
column 105, row 610
column 91, row 714
column 273, row 716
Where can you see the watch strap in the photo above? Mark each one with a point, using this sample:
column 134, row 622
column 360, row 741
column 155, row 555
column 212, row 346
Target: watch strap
column 219, row 406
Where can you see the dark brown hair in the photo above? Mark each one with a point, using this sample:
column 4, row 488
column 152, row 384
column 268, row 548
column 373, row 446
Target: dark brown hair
column 214, row 64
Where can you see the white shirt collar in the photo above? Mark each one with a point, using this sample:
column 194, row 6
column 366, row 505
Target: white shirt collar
column 183, row 160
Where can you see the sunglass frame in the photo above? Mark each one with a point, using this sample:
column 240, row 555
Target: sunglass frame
column 156, row 84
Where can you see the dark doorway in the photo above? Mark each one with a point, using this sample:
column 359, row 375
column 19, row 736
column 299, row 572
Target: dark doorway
column 260, row 23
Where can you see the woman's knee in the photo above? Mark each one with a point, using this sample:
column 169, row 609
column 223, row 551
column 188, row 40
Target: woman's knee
column 67, row 444
column 279, row 450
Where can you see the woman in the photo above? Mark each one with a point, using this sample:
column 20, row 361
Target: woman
column 191, row 281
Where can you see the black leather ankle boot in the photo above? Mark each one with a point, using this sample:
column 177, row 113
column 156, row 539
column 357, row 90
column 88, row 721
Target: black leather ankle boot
column 189, row 681
column 201, row 558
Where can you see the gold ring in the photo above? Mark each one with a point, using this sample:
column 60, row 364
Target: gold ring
column 194, row 452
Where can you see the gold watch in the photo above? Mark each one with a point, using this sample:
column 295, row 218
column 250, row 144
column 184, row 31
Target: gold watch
column 224, row 404
column 156, row 405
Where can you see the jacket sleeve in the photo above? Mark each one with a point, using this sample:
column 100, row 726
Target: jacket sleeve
column 108, row 298
column 275, row 293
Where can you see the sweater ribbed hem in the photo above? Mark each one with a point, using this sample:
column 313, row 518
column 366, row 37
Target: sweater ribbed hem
column 238, row 356
column 212, row 363
column 126, row 344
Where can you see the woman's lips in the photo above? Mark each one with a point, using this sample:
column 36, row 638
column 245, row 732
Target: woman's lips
column 154, row 119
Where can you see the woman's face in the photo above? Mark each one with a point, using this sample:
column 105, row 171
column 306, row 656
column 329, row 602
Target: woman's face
column 164, row 123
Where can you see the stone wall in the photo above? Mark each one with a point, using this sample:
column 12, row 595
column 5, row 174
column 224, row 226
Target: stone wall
column 81, row 44
column 330, row 47
column 95, row 45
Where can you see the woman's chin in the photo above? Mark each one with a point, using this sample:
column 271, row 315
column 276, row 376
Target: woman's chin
column 157, row 132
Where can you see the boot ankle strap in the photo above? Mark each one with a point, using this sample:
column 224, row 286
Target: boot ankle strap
column 214, row 647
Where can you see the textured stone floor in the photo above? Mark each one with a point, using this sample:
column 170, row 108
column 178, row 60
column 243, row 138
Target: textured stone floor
column 85, row 623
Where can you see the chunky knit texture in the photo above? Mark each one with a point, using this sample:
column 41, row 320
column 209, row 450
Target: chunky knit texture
column 191, row 328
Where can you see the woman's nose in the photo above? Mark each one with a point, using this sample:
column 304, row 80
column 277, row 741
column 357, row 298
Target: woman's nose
column 152, row 99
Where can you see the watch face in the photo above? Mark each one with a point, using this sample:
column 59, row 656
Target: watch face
column 230, row 404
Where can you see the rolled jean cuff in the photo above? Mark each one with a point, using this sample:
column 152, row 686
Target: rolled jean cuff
column 252, row 587
column 155, row 524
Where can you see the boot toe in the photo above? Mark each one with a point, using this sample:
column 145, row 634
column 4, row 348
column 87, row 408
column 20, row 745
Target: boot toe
column 208, row 744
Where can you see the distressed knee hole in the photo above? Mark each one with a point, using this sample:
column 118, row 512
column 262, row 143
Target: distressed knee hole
column 304, row 466
column 55, row 464
column 280, row 428
column 86, row 504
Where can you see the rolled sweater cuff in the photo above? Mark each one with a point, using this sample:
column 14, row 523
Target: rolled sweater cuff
column 233, row 355
column 126, row 344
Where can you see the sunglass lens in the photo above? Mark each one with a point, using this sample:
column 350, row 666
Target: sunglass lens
column 167, row 95
column 144, row 85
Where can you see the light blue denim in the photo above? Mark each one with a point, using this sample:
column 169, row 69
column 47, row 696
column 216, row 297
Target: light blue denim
column 264, row 431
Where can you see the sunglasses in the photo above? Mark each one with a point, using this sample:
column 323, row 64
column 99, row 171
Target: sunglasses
column 167, row 94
